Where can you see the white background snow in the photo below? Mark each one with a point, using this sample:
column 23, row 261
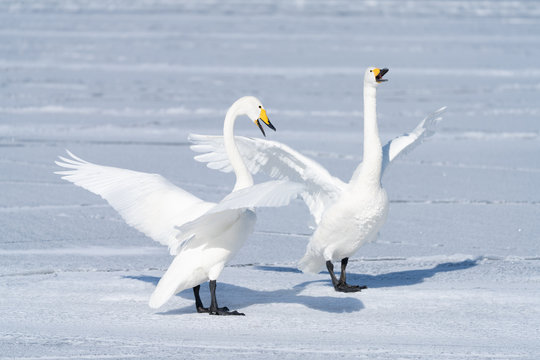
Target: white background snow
column 455, row 272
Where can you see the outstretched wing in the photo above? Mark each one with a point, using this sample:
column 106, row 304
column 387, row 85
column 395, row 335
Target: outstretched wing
column 226, row 212
column 267, row 194
column 405, row 143
column 148, row 202
column 276, row 160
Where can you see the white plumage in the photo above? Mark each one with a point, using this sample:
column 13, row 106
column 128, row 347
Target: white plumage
column 347, row 214
column 202, row 235
column 148, row 202
column 276, row 160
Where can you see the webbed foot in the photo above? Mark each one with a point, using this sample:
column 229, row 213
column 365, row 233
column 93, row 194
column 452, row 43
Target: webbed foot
column 220, row 311
column 202, row 310
column 344, row 287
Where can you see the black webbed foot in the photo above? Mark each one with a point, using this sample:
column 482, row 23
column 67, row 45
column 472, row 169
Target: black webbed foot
column 344, row 287
column 341, row 284
column 205, row 310
column 220, row 311
column 214, row 308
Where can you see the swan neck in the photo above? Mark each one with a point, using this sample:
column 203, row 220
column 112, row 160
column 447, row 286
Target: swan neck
column 372, row 162
column 243, row 176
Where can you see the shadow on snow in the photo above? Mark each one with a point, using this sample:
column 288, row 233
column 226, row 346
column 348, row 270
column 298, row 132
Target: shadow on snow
column 409, row 277
column 392, row 279
column 236, row 296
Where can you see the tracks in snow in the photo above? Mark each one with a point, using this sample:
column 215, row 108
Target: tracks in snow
column 18, row 209
column 429, row 260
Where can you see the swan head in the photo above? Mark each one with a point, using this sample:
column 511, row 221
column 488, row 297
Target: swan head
column 253, row 108
column 374, row 76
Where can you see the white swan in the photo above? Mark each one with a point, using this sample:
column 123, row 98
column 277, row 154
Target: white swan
column 347, row 215
column 202, row 235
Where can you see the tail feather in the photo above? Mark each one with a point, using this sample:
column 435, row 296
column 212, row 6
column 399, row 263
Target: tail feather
column 311, row 263
column 180, row 275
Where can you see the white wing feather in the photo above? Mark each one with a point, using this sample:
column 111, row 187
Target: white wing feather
column 148, row 202
column 405, row 143
column 207, row 227
column 267, row 194
column 276, row 160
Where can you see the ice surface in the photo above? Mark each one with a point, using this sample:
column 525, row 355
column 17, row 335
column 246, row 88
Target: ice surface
column 455, row 272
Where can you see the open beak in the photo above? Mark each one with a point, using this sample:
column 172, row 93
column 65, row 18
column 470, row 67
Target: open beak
column 260, row 126
column 379, row 73
column 264, row 118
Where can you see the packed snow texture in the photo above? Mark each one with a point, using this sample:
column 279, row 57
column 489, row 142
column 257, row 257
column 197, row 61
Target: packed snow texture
column 455, row 272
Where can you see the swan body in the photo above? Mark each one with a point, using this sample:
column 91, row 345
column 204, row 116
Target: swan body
column 203, row 258
column 203, row 236
column 347, row 215
column 361, row 210
column 354, row 219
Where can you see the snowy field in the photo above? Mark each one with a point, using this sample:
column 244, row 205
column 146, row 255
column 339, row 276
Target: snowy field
column 455, row 273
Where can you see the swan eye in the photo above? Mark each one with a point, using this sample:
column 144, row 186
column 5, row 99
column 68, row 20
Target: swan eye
column 260, row 107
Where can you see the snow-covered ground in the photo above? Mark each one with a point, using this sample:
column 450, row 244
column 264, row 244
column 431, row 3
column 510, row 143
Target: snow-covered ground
column 456, row 271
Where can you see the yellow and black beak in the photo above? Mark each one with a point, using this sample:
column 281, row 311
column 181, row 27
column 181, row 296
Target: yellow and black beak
column 379, row 73
column 264, row 118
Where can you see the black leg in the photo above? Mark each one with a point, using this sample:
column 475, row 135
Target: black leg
column 343, row 276
column 213, row 299
column 214, row 309
column 198, row 303
column 330, row 268
column 341, row 284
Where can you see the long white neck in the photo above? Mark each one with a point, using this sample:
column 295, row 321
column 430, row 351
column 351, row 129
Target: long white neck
column 370, row 169
column 243, row 176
